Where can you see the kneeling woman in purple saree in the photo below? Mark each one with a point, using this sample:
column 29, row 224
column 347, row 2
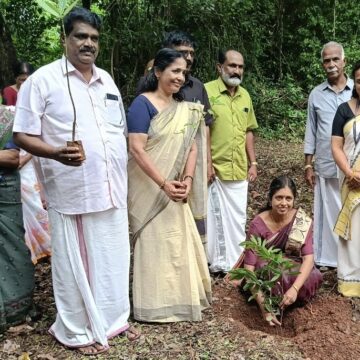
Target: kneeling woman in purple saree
column 289, row 229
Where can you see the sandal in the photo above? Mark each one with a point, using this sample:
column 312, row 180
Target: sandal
column 94, row 349
column 131, row 333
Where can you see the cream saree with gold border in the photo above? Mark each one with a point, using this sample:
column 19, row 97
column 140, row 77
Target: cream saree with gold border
column 348, row 222
column 171, row 280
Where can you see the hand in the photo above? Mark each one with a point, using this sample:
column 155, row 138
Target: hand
column 310, row 177
column 67, row 155
column 210, row 174
column 354, row 182
column 252, row 173
column 289, row 298
column 271, row 319
column 175, row 190
column 187, row 183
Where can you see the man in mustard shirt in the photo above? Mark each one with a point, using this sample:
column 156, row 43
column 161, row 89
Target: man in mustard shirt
column 232, row 148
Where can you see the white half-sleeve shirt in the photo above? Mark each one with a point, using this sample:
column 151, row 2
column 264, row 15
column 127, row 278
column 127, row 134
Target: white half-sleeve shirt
column 44, row 109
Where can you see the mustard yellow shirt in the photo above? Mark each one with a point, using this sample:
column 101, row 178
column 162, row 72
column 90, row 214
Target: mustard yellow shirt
column 233, row 117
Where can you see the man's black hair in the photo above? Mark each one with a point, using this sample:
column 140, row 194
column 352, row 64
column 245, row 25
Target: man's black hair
column 178, row 38
column 82, row 15
column 222, row 55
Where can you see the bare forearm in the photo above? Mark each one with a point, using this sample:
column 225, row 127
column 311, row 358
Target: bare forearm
column 67, row 155
column 308, row 159
column 339, row 155
column 191, row 161
column 34, row 145
column 304, row 271
column 147, row 166
column 9, row 158
column 250, row 146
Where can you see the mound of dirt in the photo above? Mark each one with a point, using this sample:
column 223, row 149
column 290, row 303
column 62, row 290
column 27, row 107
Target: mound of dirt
column 326, row 328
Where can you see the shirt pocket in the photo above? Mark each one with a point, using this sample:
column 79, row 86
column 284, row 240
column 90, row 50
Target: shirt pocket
column 113, row 113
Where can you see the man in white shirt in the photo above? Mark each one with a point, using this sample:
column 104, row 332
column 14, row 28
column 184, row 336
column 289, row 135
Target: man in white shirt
column 86, row 198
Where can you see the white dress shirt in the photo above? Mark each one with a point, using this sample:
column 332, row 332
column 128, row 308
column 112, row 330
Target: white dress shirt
column 44, row 109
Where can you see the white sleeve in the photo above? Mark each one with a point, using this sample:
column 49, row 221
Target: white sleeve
column 30, row 107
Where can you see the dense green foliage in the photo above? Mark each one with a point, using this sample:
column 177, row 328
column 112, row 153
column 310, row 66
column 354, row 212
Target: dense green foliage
column 280, row 40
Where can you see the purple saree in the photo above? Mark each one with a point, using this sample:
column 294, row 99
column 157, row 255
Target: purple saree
column 281, row 240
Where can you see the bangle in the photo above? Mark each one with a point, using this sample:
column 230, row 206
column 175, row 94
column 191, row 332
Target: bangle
column 295, row 287
column 308, row 166
column 254, row 163
column 161, row 186
column 188, row 176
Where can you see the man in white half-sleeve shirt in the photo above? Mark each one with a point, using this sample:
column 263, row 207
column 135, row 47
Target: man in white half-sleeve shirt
column 323, row 102
column 87, row 199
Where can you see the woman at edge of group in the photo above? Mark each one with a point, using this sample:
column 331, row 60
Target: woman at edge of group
column 35, row 217
column 290, row 230
column 22, row 70
column 171, row 280
column 346, row 151
column 16, row 269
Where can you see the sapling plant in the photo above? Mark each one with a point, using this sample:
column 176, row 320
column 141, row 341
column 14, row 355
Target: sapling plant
column 264, row 279
column 59, row 9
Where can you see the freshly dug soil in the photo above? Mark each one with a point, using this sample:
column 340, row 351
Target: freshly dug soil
column 326, row 328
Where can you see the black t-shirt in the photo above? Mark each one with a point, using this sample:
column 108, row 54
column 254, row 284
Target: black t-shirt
column 342, row 116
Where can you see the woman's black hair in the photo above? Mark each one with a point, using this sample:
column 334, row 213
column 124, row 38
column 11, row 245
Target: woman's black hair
column 355, row 68
column 277, row 184
column 21, row 68
column 163, row 59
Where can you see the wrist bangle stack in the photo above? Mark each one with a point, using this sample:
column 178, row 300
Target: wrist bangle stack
column 254, row 163
column 295, row 287
column 308, row 166
column 188, row 176
column 161, row 186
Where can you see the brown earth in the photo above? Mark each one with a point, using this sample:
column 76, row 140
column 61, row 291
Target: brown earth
column 327, row 328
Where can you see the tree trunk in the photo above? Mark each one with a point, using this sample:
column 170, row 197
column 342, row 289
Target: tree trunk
column 7, row 56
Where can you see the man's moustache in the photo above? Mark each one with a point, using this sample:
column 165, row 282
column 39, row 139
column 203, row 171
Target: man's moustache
column 92, row 50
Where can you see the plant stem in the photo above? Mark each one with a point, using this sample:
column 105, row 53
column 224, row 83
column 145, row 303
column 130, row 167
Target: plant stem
column 68, row 85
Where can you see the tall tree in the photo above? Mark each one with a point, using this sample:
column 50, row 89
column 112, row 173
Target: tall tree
column 7, row 55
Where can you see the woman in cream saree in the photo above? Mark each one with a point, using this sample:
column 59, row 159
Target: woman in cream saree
column 346, row 152
column 171, row 280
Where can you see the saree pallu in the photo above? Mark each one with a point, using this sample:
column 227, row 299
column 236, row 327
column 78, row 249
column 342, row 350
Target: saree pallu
column 348, row 222
column 6, row 124
column 171, row 280
column 16, row 269
column 36, row 221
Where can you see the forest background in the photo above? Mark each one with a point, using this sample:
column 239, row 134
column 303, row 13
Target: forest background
column 280, row 40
